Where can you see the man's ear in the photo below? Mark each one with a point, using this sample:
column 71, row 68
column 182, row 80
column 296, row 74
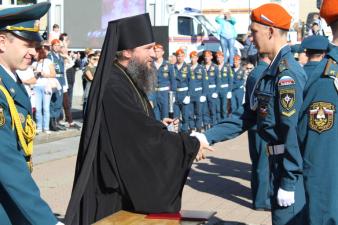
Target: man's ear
column 127, row 54
column 3, row 40
column 271, row 32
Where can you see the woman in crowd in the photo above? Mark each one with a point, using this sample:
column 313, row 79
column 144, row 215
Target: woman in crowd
column 88, row 74
column 44, row 70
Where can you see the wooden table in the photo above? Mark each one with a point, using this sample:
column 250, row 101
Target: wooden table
column 128, row 218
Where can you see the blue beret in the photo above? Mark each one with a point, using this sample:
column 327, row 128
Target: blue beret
column 315, row 42
column 297, row 48
column 22, row 21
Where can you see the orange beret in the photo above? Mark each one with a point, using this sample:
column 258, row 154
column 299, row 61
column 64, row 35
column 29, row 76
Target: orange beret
column 329, row 11
column 219, row 53
column 158, row 46
column 272, row 14
column 207, row 53
column 180, row 51
column 55, row 41
column 193, row 54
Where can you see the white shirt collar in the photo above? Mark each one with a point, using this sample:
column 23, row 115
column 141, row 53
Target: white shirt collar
column 10, row 73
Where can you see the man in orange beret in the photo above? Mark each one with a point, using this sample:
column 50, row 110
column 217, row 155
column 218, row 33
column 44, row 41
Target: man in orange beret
column 226, row 76
column 274, row 107
column 210, row 110
column 318, row 128
column 165, row 82
column 182, row 102
column 57, row 96
column 199, row 88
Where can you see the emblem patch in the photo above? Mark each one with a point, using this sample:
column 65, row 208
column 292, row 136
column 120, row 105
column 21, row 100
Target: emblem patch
column 321, row 116
column 2, row 117
column 165, row 74
column 263, row 109
column 286, row 80
column 22, row 117
column 287, row 98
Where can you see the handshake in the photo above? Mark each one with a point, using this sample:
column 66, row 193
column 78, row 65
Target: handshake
column 204, row 145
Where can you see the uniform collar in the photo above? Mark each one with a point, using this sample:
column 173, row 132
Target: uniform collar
column 56, row 54
column 183, row 65
column 273, row 67
column 16, row 90
column 10, row 73
column 159, row 65
column 334, row 53
column 260, row 62
column 312, row 63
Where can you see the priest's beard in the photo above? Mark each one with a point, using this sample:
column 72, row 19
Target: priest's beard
column 143, row 76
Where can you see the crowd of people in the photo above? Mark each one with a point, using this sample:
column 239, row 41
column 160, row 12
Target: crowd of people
column 49, row 81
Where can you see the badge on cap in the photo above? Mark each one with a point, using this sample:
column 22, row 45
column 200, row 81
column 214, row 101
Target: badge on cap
column 321, row 116
column 2, row 117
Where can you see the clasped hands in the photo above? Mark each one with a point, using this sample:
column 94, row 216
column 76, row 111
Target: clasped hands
column 171, row 124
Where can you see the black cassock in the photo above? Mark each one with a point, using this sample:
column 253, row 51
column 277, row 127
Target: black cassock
column 137, row 166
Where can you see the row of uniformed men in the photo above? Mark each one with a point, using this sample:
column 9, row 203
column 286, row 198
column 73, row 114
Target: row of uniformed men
column 202, row 92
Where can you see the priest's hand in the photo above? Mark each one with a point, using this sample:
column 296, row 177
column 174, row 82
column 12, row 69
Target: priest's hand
column 171, row 124
column 204, row 145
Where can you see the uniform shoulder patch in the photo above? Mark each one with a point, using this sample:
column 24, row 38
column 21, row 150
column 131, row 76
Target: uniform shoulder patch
column 2, row 117
column 287, row 99
column 283, row 65
column 285, row 81
column 321, row 116
column 331, row 68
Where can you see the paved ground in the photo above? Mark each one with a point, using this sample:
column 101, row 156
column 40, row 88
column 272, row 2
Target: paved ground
column 220, row 183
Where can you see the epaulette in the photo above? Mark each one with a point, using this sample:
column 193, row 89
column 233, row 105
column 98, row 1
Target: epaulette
column 283, row 65
column 331, row 68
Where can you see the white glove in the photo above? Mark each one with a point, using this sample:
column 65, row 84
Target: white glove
column 214, row 95
column 174, row 99
column 59, row 223
column 285, row 198
column 201, row 137
column 229, row 95
column 203, row 98
column 186, row 100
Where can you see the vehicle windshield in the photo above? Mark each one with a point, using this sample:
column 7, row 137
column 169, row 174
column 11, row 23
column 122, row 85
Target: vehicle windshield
column 211, row 29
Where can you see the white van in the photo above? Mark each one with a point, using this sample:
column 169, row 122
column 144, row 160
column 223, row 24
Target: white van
column 192, row 31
